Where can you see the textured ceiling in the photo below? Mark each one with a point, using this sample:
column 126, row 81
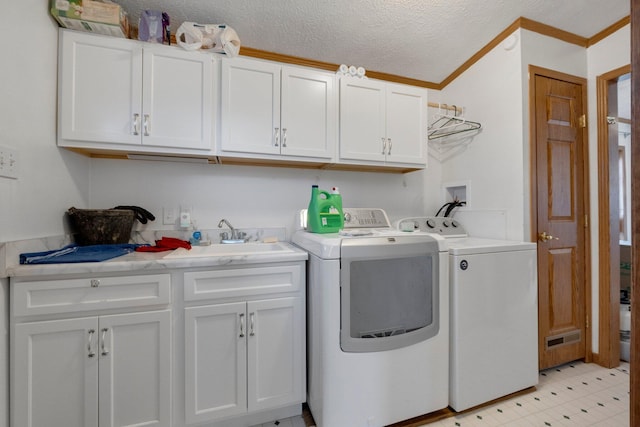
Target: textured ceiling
column 420, row 39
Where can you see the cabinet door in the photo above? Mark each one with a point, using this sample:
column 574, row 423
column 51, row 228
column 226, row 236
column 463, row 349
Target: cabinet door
column 406, row 124
column 177, row 98
column 362, row 120
column 250, row 111
column 309, row 113
column 100, row 88
column 276, row 345
column 215, row 361
column 135, row 369
column 54, row 378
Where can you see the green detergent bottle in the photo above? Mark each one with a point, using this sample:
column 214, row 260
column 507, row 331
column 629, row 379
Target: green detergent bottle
column 325, row 211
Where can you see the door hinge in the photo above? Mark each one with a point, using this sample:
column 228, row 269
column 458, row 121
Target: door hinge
column 582, row 121
column 587, row 321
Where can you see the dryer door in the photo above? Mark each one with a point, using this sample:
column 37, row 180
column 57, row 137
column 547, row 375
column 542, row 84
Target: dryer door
column 389, row 292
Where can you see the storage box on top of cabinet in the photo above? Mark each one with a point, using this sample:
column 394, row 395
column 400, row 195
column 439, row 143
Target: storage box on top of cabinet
column 93, row 16
column 130, row 96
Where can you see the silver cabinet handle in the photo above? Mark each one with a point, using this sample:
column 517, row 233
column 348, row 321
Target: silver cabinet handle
column 241, row 325
column 284, row 137
column 147, row 125
column 105, row 350
column 276, row 136
column 389, row 150
column 384, row 145
column 252, row 331
column 136, row 124
column 91, row 353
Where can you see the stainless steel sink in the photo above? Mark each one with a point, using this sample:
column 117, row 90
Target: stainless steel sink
column 240, row 249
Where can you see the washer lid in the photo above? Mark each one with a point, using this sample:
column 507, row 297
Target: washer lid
column 475, row 245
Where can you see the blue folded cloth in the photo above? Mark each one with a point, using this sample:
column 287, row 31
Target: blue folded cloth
column 74, row 253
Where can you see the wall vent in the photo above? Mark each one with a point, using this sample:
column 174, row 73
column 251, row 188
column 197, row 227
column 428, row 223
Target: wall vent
column 563, row 339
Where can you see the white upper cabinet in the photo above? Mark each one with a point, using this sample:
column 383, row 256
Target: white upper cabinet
column 382, row 123
column 277, row 111
column 117, row 93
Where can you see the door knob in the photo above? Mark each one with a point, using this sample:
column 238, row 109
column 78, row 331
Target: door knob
column 544, row 237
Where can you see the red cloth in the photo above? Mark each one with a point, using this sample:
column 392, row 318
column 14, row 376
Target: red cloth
column 165, row 244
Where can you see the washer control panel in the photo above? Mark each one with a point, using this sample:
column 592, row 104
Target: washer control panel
column 365, row 218
column 444, row 226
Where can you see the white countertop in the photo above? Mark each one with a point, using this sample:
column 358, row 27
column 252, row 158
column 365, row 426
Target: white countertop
column 132, row 262
column 152, row 261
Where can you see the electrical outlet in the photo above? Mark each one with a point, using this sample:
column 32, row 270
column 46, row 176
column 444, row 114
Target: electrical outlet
column 169, row 216
column 8, row 163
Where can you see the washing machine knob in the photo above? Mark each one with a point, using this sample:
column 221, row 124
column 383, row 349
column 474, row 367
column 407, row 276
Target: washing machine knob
column 445, row 223
column 431, row 223
column 454, row 223
column 347, row 217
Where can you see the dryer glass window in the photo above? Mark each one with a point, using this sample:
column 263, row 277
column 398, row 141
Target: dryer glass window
column 389, row 302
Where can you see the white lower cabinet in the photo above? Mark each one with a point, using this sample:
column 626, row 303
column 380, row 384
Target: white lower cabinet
column 244, row 353
column 91, row 351
column 243, row 357
column 102, row 371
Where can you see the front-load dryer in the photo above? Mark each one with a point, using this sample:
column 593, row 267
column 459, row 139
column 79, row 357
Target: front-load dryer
column 378, row 323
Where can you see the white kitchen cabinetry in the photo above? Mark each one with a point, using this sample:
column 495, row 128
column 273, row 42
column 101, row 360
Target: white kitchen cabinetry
column 101, row 370
column 246, row 353
column 382, row 123
column 277, row 112
column 119, row 94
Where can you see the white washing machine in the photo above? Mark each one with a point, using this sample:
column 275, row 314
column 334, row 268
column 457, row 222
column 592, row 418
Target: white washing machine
column 493, row 313
column 378, row 323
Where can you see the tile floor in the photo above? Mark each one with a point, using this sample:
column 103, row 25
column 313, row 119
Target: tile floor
column 577, row 394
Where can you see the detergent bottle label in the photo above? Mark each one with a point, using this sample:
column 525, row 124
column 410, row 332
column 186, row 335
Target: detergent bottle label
column 325, row 212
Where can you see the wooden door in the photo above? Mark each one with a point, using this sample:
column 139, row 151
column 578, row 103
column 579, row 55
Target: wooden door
column 135, row 369
column 560, row 156
column 55, row 373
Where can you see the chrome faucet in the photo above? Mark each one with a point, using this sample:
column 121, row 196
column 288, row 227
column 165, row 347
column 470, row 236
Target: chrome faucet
column 236, row 236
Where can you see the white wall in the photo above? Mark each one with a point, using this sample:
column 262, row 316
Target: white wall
column 491, row 163
column 50, row 180
column 246, row 196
